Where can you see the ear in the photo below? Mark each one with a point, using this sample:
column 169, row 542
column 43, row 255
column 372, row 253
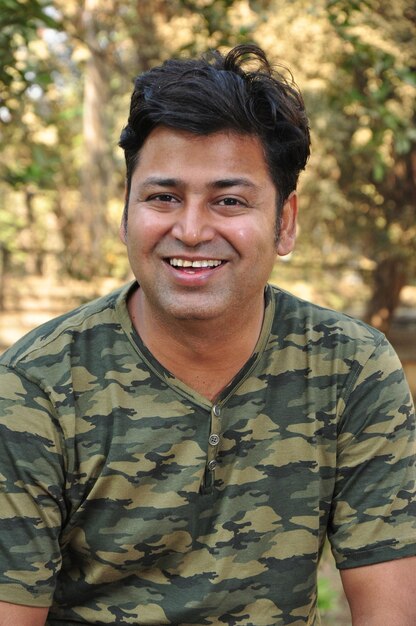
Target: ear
column 122, row 231
column 288, row 218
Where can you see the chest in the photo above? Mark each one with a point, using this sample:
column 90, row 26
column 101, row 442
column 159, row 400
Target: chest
column 258, row 453
column 155, row 498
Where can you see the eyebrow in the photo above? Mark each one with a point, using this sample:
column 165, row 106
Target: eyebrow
column 160, row 182
column 232, row 182
column 222, row 183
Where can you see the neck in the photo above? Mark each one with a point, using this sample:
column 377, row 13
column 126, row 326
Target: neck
column 204, row 354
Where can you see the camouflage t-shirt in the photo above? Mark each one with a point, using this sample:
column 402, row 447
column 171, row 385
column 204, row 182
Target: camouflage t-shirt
column 127, row 498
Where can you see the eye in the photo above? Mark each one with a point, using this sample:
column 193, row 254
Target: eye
column 230, row 201
column 162, row 197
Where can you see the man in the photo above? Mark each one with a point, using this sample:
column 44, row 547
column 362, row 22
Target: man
column 176, row 452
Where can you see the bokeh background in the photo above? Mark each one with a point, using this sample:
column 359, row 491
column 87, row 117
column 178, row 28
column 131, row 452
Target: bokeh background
column 66, row 74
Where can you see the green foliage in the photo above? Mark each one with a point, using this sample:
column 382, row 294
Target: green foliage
column 374, row 77
column 20, row 22
column 368, row 136
column 354, row 60
column 217, row 25
column 327, row 596
column 9, row 227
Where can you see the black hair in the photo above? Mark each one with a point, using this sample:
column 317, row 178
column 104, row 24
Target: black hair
column 238, row 92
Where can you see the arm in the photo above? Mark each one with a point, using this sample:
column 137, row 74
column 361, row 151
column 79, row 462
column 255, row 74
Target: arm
column 12, row 614
column 372, row 527
column 383, row 594
column 32, row 505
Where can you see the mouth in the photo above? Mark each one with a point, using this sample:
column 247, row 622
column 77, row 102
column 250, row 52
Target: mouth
column 194, row 266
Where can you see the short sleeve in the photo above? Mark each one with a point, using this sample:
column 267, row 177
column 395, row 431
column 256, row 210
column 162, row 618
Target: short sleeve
column 373, row 516
column 32, row 507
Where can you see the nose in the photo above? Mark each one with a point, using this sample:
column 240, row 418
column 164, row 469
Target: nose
column 193, row 224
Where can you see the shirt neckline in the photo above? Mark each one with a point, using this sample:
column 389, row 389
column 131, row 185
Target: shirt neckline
column 172, row 381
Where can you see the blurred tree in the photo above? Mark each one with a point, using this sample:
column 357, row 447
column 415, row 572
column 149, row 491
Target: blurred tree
column 96, row 163
column 65, row 68
column 25, row 164
column 373, row 95
column 19, row 25
column 65, row 83
column 355, row 63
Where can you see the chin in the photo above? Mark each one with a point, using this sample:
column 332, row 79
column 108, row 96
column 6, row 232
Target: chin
column 190, row 307
column 194, row 315
column 194, row 311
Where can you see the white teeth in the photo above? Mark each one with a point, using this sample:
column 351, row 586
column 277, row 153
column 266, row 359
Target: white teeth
column 186, row 263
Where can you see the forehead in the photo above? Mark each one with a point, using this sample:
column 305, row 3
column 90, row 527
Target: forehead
column 174, row 152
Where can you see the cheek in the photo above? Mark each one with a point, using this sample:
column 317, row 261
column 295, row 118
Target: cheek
column 146, row 228
column 255, row 239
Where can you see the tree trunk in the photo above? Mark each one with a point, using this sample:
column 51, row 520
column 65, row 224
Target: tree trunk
column 36, row 251
column 96, row 168
column 388, row 280
column 148, row 45
column 4, row 270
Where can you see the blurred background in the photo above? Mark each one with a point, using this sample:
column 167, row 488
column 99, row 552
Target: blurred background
column 66, row 75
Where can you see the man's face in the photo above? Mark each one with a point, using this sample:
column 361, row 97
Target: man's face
column 201, row 224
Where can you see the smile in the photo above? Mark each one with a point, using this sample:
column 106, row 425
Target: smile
column 197, row 264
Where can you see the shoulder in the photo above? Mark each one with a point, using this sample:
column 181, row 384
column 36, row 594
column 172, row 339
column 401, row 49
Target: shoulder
column 323, row 342
column 313, row 327
column 55, row 338
column 343, row 361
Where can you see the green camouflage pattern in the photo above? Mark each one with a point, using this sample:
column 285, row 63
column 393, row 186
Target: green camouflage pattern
column 126, row 498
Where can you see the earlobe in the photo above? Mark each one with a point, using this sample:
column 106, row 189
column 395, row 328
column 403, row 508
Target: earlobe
column 288, row 221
